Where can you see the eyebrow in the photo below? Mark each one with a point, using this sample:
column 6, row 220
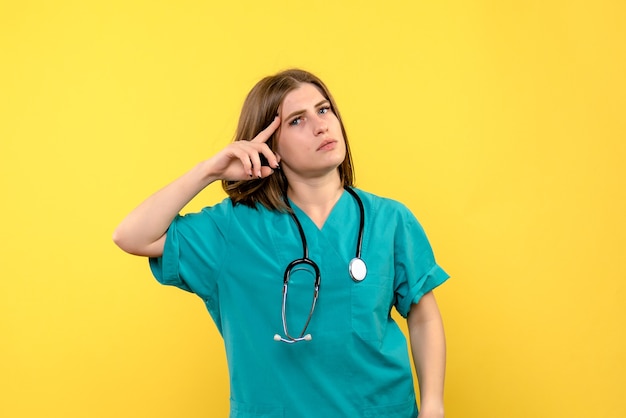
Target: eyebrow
column 299, row 112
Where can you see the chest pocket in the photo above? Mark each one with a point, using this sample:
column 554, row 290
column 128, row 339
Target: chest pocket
column 371, row 302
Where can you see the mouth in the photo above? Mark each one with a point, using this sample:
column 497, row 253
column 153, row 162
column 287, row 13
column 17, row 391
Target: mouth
column 327, row 144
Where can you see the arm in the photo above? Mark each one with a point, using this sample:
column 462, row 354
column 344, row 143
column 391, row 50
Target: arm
column 143, row 231
column 428, row 346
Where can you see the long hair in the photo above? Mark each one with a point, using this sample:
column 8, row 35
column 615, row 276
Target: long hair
column 258, row 111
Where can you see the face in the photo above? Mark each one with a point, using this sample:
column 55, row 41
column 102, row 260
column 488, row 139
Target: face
column 310, row 141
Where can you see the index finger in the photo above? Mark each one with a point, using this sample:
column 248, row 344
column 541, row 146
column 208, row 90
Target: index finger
column 267, row 133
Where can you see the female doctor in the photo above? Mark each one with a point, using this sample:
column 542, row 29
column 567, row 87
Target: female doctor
column 298, row 269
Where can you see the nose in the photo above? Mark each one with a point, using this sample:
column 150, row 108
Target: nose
column 320, row 126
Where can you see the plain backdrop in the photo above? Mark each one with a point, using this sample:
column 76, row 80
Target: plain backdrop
column 500, row 124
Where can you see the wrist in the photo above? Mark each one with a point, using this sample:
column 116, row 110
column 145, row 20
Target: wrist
column 431, row 410
column 205, row 173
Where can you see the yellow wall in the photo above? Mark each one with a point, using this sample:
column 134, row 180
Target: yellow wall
column 501, row 124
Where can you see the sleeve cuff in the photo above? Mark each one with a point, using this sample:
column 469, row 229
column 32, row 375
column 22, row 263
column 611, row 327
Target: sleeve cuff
column 435, row 277
column 165, row 268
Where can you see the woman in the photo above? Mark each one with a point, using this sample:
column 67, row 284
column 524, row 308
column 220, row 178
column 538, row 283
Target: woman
column 331, row 347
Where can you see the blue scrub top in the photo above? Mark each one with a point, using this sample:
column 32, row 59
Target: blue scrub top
column 357, row 364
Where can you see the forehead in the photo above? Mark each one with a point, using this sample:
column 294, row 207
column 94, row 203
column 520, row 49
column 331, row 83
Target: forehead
column 304, row 96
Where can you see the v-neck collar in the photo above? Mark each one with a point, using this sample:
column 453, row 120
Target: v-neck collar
column 304, row 218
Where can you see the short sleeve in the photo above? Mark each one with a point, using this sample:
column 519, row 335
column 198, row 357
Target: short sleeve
column 416, row 272
column 195, row 247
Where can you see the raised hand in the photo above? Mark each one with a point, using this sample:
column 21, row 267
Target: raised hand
column 241, row 160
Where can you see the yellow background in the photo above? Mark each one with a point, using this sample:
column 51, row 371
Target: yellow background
column 500, row 124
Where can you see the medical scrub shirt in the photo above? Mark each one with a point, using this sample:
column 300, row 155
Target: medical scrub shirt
column 357, row 363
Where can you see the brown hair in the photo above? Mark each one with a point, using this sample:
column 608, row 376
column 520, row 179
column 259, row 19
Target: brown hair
column 258, row 111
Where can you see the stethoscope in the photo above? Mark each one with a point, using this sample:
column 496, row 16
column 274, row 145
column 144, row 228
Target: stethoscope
column 356, row 268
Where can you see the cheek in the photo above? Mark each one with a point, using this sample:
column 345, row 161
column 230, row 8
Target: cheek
column 282, row 144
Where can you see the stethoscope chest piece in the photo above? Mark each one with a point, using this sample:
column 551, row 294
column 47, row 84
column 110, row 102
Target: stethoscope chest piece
column 358, row 269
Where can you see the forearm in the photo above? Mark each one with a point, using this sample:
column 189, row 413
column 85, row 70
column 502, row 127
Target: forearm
column 143, row 230
column 429, row 354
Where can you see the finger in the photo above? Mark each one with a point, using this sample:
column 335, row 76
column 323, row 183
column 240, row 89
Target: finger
column 244, row 157
column 267, row 133
column 259, row 155
column 266, row 172
column 268, row 158
column 255, row 160
column 278, row 159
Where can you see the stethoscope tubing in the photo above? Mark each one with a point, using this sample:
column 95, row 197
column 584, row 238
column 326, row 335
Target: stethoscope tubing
column 357, row 277
column 359, row 241
column 316, row 289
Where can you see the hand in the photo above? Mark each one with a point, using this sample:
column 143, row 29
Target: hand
column 241, row 160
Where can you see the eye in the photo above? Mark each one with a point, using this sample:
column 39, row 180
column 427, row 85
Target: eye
column 296, row 121
column 324, row 110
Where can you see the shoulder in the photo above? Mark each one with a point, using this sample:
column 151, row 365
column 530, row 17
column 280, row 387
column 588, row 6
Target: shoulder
column 389, row 216
column 237, row 214
column 226, row 208
column 225, row 218
column 383, row 205
column 220, row 213
column 222, row 209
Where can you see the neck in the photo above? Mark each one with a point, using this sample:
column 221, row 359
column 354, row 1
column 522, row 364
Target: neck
column 316, row 198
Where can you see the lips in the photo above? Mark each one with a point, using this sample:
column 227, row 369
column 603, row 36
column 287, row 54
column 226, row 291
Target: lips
column 327, row 144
